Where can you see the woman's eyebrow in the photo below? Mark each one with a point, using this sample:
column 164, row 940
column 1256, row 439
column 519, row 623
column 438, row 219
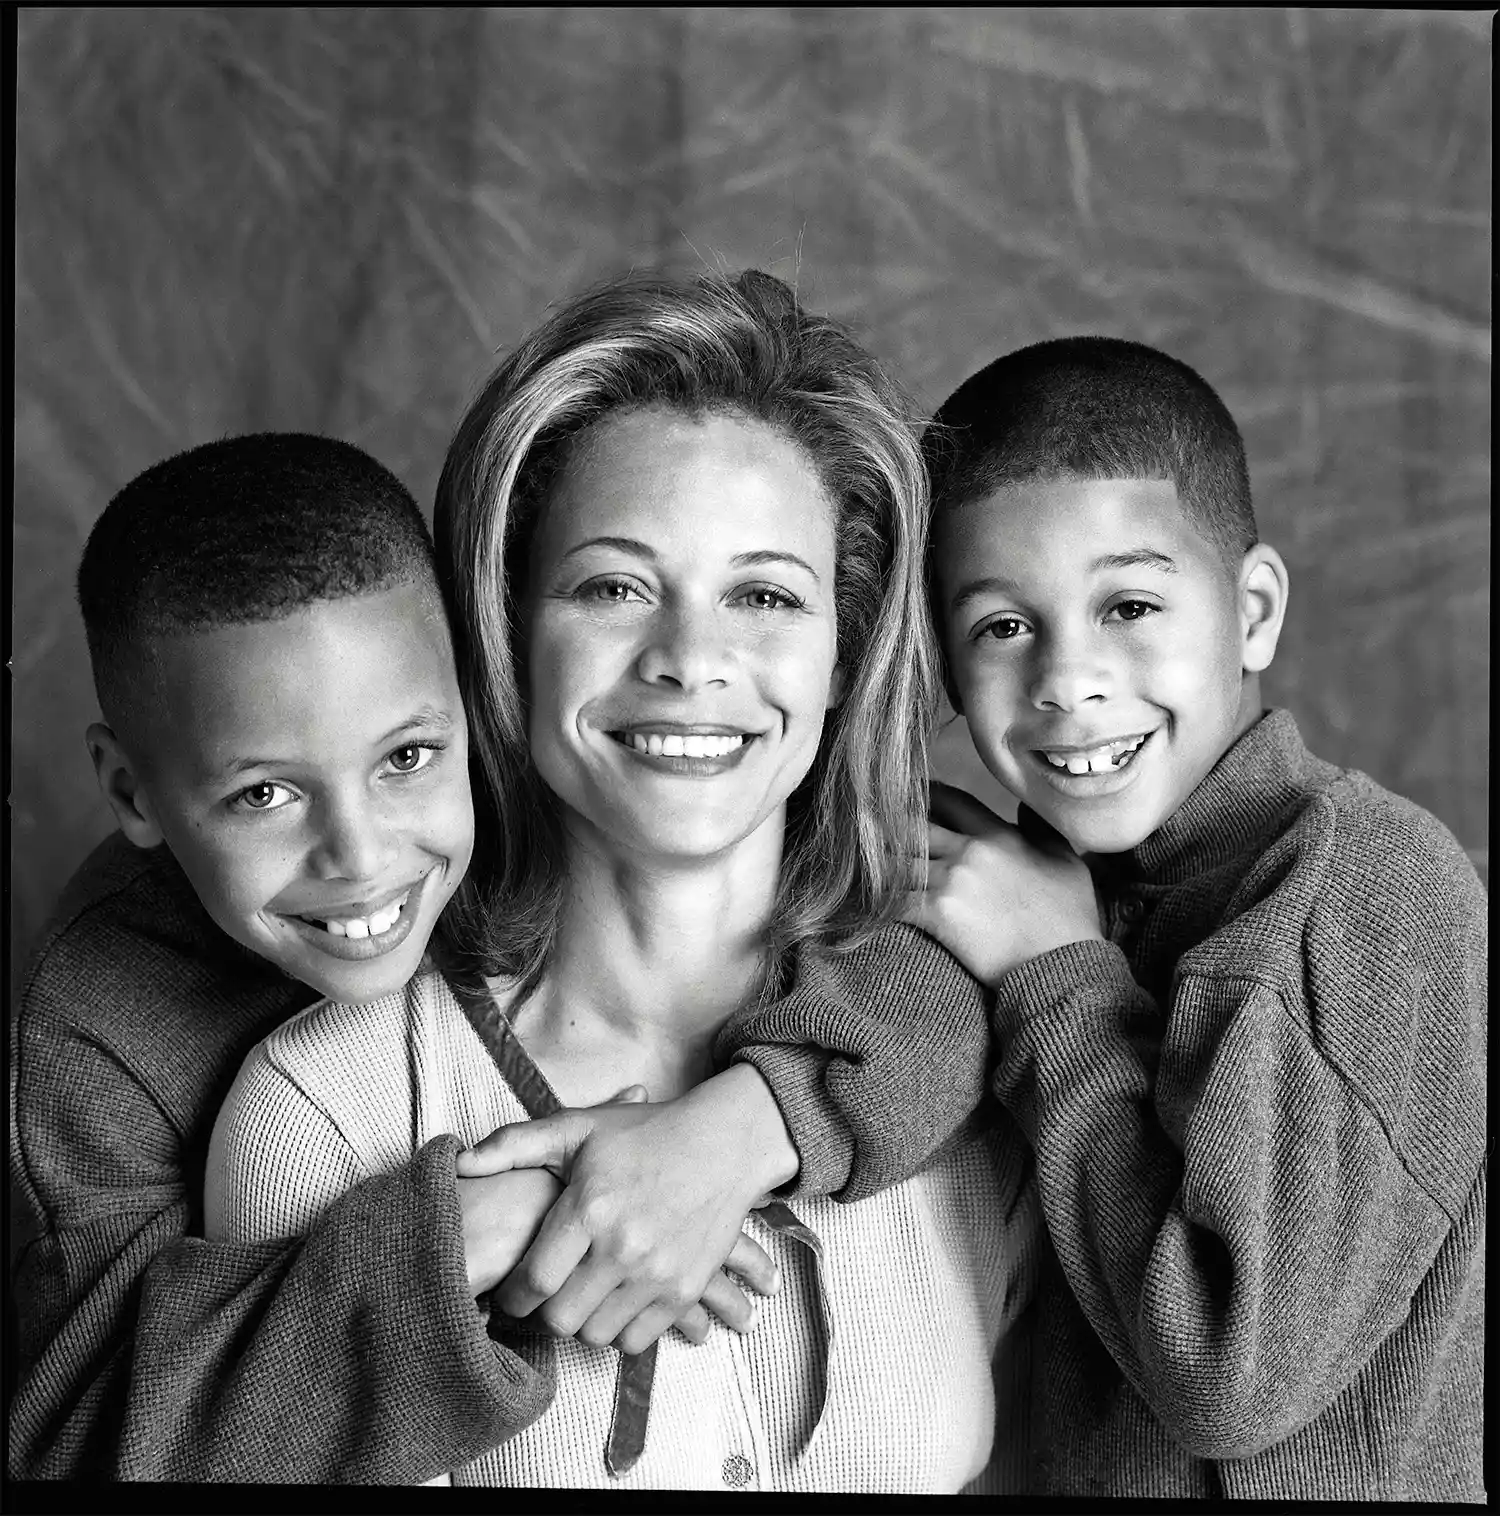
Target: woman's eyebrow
column 772, row 555
column 631, row 545
column 639, row 549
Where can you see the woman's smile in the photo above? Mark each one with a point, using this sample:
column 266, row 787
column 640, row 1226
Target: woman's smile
column 682, row 628
column 694, row 752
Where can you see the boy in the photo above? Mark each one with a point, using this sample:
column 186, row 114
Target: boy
column 1240, row 994
column 284, row 749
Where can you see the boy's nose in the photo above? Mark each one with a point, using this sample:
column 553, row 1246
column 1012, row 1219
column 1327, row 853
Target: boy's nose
column 354, row 843
column 687, row 649
column 1067, row 679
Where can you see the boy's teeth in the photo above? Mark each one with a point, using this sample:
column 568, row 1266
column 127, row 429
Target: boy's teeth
column 1100, row 760
column 375, row 925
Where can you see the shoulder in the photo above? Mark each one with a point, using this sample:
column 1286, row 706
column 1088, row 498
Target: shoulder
column 360, row 1066
column 1374, row 927
column 131, row 983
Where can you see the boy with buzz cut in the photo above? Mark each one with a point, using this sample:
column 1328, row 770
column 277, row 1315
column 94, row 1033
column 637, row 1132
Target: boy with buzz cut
column 284, row 748
column 1240, row 993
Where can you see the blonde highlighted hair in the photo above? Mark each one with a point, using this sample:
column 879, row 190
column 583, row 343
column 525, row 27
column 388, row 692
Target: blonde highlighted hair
column 700, row 345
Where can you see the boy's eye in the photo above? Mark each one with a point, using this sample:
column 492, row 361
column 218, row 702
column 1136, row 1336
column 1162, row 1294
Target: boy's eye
column 1133, row 610
column 767, row 597
column 413, row 757
column 263, row 797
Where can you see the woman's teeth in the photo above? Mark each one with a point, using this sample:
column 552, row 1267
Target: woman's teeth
column 367, row 926
column 695, row 745
column 1100, row 760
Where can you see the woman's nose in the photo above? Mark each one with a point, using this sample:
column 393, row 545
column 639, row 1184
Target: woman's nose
column 688, row 648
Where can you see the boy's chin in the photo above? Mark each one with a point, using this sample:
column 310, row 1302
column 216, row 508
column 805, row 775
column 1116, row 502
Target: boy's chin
column 1103, row 833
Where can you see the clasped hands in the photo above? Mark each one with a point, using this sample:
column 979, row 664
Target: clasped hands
column 613, row 1223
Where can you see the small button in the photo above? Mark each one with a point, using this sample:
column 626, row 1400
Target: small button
column 1131, row 910
column 737, row 1471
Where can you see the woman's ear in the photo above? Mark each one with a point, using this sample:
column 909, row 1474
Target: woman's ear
column 838, row 687
column 1263, row 588
column 122, row 786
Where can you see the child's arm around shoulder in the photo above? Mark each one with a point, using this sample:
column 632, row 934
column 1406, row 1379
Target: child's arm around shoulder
column 876, row 1057
column 150, row 1353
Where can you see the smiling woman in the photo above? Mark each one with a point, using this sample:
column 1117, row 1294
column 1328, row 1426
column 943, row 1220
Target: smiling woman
column 683, row 529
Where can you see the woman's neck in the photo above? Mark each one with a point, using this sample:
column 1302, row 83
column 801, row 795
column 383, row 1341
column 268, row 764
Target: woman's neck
column 651, row 958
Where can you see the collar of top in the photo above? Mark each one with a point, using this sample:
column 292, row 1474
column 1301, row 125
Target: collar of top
column 1239, row 808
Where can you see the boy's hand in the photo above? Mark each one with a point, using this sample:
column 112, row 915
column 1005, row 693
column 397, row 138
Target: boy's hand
column 993, row 898
column 654, row 1201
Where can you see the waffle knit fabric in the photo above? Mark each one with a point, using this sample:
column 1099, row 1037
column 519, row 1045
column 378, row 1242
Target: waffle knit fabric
column 885, row 1364
column 1258, row 1113
column 355, row 1354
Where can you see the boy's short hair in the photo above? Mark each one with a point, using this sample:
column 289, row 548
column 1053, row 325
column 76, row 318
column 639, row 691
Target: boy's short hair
column 1094, row 408
column 245, row 529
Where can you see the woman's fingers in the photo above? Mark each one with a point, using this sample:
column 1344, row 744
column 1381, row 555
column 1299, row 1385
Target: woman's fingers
column 547, row 1143
column 726, row 1300
column 548, row 1267
column 753, row 1265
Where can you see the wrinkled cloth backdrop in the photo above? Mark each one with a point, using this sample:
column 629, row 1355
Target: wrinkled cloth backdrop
column 233, row 219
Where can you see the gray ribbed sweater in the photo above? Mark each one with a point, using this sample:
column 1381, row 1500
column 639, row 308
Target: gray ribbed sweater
column 357, row 1354
column 1259, row 1119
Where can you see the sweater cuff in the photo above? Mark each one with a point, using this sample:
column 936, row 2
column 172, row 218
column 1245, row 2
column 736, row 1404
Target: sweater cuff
column 797, row 1077
column 1095, row 971
column 453, row 1331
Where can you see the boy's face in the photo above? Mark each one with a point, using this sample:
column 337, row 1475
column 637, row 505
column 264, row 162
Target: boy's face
column 310, row 775
column 1098, row 645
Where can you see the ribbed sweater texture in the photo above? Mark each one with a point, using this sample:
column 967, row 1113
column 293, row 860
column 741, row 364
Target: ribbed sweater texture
column 355, row 1354
column 1258, row 1113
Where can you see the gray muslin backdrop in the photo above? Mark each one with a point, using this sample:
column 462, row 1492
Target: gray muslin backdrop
column 331, row 220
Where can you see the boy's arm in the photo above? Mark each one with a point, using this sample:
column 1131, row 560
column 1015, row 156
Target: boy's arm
column 355, row 1355
column 1229, row 1209
column 871, row 1062
column 875, row 1057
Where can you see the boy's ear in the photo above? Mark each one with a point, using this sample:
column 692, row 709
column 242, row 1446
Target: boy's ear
column 1263, row 587
column 122, row 786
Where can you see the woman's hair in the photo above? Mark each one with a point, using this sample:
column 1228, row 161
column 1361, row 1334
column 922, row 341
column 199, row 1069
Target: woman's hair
column 701, row 345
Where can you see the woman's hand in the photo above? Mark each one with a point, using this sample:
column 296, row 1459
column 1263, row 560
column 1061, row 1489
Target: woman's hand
column 655, row 1199
column 993, row 898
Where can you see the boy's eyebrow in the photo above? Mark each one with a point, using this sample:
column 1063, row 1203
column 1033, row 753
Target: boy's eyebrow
column 1139, row 557
column 428, row 717
column 638, row 549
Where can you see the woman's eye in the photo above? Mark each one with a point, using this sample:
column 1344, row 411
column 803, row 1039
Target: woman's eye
column 766, row 597
column 1003, row 628
column 413, row 757
column 1132, row 610
column 263, row 797
column 610, row 591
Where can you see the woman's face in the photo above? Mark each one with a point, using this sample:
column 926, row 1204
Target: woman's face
column 681, row 653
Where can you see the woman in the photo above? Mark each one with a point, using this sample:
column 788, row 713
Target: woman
column 684, row 526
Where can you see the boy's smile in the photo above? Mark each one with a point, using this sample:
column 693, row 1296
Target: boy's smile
column 1099, row 645
column 309, row 775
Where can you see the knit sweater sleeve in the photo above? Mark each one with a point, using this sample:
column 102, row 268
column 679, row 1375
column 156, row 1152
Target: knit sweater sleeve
column 150, row 1353
column 876, row 1057
column 1238, row 1208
